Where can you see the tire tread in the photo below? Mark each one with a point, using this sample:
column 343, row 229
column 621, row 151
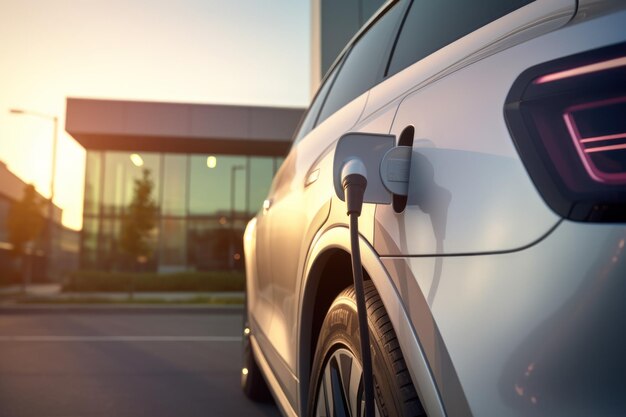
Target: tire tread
column 380, row 322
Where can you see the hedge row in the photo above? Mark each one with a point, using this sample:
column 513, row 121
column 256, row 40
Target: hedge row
column 92, row 281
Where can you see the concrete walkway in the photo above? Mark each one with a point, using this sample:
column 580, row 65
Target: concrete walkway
column 52, row 293
column 32, row 289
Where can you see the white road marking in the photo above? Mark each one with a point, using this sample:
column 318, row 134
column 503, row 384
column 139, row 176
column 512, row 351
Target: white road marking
column 53, row 338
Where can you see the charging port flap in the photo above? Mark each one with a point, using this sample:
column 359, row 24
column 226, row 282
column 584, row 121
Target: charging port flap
column 387, row 166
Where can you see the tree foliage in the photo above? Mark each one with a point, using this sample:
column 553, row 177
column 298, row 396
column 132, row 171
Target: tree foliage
column 139, row 219
column 25, row 221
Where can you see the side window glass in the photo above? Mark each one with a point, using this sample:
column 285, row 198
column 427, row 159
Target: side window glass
column 432, row 24
column 311, row 115
column 365, row 63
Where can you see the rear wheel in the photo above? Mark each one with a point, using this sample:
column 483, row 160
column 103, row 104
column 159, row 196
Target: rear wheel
column 336, row 384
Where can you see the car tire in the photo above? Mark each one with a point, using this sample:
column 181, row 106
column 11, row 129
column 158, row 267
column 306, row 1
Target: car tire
column 336, row 380
column 252, row 380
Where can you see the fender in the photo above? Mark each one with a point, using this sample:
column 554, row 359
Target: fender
column 338, row 237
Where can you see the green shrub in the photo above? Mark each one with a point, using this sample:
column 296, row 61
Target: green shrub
column 92, row 281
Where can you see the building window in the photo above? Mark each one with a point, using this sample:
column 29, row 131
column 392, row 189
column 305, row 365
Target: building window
column 173, row 245
column 121, row 169
column 204, row 201
column 93, row 172
column 211, row 190
column 174, row 201
column 89, row 249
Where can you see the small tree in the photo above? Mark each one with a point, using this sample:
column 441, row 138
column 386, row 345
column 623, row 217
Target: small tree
column 24, row 224
column 139, row 220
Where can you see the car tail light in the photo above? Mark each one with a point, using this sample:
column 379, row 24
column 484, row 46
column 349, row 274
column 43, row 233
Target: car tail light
column 568, row 121
column 601, row 147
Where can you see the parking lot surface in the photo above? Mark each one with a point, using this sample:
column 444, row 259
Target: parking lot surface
column 122, row 363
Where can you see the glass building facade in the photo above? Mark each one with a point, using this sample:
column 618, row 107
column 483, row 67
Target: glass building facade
column 203, row 205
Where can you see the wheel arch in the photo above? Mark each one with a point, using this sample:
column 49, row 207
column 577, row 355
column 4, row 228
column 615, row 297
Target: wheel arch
column 329, row 274
column 329, row 257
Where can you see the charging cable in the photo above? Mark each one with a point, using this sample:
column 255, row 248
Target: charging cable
column 354, row 183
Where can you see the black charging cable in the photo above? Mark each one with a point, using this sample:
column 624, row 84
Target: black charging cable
column 354, row 183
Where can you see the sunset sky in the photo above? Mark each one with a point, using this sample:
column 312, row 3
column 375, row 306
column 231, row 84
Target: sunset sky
column 197, row 51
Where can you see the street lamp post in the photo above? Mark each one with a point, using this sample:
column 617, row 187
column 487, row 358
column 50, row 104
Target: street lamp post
column 50, row 223
column 231, row 254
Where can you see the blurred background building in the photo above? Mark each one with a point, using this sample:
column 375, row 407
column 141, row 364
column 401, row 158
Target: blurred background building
column 211, row 167
column 66, row 242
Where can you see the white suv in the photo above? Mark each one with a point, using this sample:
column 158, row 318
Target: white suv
column 496, row 285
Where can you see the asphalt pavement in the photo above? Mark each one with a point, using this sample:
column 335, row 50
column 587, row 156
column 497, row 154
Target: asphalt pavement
column 90, row 363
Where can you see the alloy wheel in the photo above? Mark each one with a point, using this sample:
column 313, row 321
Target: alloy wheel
column 340, row 391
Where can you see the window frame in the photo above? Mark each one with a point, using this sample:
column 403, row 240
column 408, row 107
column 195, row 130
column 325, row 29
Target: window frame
column 407, row 12
column 336, row 67
column 330, row 77
column 385, row 60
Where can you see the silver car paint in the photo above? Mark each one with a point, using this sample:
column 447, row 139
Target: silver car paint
column 461, row 145
column 298, row 209
column 528, row 303
column 528, row 333
column 529, row 22
column 286, row 305
column 460, row 141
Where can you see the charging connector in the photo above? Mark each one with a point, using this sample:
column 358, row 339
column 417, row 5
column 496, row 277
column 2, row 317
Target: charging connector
column 358, row 155
column 354, row 183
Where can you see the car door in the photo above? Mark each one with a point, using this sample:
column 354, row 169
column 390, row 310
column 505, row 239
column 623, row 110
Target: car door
column 297, row 207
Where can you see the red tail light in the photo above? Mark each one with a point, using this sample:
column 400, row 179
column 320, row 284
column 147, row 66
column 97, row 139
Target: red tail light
column 568, row 121
column 601, row 146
